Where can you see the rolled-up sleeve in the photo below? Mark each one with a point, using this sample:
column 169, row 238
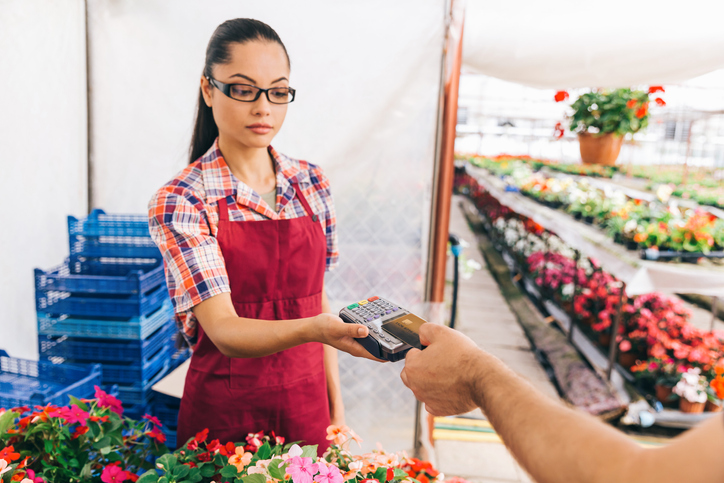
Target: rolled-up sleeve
column 194, row 265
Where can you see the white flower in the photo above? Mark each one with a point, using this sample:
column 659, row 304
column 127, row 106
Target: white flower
column 630, row 226
column 692, row 386
column 567, row 289
column 295, row 450
column 4, row 466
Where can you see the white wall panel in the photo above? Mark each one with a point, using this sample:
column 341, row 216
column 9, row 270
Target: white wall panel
column 43, row 155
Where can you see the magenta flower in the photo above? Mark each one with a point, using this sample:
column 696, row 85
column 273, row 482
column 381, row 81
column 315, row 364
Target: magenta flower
column 329, row 474
column 153, row 419
column 72, row 415
column 302, row 470
column 113, row 474
column 105, row 400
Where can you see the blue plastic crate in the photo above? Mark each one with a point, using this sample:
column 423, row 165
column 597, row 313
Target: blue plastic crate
column 166, row 408
column 113, row 246
column 98, row 223
column 30, row 383
column 138, row 373
column 133, row 394
column 112, row 351
column 100, row 305
column 77, row 276
column 171, row 441
column 129, row 328
column 137, row 411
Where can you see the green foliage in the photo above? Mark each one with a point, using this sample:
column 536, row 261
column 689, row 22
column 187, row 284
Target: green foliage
column 617, row 111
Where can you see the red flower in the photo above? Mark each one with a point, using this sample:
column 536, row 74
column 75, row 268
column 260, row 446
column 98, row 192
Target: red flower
column 8, row 454
column 153, row 419
column 202, row 435
column 655, row 89
column 390, row 474
column 558, row 131
column 641, row 112
column 80, row 431
column 560, row 96
column 158, row 435
column 632, row 103
column 105, row 400
column 113, row 474
column 204, row 457
column 229, row 449
column 99, row 419
column 213, row 446
column 660, row 101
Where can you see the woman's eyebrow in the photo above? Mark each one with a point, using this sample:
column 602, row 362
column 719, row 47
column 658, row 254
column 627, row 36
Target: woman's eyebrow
column 254, row 82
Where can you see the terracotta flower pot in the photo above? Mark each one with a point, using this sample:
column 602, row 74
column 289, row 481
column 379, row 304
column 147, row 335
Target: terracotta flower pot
column 604, row 338
column 663, row 392
column 690, row 407
column 711, row 407
column 602, row 149
column 627, row 359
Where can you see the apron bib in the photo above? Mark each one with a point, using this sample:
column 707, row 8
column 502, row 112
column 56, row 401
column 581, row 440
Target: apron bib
column 276, row 272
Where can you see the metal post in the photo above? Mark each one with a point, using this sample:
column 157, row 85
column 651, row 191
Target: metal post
column 714, row 301
column 616, row 323
column 572, row 311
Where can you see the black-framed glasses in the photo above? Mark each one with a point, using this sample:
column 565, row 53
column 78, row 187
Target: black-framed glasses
column 250, row 93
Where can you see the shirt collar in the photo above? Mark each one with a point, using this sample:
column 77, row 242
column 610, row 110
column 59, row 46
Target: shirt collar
column 220, row 182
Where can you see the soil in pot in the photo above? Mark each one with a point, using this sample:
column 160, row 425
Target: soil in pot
column 690, row 407
column 599, row 149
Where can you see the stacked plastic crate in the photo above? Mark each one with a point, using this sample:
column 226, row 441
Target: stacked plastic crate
column 108, row 303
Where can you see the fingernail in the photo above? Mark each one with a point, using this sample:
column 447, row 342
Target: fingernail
column 361, row 331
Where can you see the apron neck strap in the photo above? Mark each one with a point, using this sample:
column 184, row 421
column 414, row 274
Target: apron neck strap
column 223, row 210
column 303, row 200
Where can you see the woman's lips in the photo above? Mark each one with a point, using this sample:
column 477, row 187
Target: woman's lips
column 260, row 128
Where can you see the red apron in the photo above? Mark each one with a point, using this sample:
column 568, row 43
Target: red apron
column 276, row 272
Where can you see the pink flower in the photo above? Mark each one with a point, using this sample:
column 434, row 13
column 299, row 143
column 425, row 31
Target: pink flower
column 302, row 470
column 329, row 474
column 113, row 474
column 105, row 400
column 73, row 414
column 625, row 346
column 153, row 419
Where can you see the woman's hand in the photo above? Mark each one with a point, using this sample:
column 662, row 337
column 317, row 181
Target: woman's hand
column 340, row 335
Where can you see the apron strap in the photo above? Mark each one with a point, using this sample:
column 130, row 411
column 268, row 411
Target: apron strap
column 303, row 200
column 223, row 210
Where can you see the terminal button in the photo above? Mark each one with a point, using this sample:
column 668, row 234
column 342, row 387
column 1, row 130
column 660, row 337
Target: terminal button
column 353, row 306
column 372, row 299
column 362, row 302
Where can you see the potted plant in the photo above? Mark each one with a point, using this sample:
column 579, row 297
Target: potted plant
column 602, row 117
column 715, row 393
column 691, row 390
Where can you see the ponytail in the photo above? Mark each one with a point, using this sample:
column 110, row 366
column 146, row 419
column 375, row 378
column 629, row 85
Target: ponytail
column 205, row 130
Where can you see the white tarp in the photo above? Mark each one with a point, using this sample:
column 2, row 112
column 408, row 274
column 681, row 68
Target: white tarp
column 618, row 43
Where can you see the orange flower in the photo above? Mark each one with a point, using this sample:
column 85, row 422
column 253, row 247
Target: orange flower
column 655, row 89
column 631, row 104
column 560, row 96
column 660, row 102
column 640, row 237
column 641, row 112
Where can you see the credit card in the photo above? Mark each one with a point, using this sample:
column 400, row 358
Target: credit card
column 406, row 328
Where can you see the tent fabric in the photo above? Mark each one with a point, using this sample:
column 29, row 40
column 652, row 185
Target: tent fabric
column 569, row 44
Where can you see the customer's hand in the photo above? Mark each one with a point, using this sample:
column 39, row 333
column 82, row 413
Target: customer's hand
column 444, row 375
column 341, row 335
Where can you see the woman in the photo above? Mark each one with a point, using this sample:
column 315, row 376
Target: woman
column 246, row 234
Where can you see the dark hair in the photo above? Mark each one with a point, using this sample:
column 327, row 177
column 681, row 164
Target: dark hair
column 236, row 31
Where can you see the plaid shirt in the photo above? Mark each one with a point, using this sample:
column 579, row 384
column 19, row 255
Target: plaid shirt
column 184, row 219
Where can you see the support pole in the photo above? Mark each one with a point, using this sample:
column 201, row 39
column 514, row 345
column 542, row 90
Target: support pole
column 616, row 324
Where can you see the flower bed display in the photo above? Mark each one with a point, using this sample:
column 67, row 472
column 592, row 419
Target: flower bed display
column 653, row 332
column 91, row 441
column 669, row 231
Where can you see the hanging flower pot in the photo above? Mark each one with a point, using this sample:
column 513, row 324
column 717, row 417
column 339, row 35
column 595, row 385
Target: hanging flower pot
column 600, row 149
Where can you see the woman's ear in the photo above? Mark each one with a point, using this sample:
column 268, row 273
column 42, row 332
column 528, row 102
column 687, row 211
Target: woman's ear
column 206, row 90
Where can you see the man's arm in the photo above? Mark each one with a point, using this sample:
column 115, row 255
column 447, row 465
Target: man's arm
column 553, row 443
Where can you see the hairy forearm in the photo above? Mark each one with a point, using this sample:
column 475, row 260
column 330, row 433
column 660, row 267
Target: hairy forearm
column 552, row 442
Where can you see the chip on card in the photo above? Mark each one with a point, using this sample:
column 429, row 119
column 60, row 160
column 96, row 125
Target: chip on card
column 406, row 328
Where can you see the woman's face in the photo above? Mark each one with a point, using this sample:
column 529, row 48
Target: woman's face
column 250, row 124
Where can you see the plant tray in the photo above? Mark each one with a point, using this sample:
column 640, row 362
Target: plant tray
column 650, row 254
column 104, row 328
column 31, row 383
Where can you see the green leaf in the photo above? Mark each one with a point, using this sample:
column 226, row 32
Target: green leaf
column 78, row 402
column 181, row 471
column 6, row 420
column 229, row 471
column 400, row 474
column 195, row 475
column 255, row 478
column 309, row 451
column 277, row 469
column 48, row 445
column 167, row 462
column 106, row 441
column 163, row 479
column 381, row 474
column 208, row 470
column 264, row 452
column 148, row 477
column 85, row 473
